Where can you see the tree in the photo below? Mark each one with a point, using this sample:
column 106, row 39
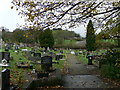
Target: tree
column 46, row 38
column 7, row 36
column 19, row 36
column 49, row 13
column 90, row 37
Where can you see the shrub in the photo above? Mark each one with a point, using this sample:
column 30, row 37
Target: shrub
column 110, row 61
column 110, row 72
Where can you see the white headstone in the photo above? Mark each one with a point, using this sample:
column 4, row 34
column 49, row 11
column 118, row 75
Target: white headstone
column 72, row 52
column 33, row 71
column 24, row 50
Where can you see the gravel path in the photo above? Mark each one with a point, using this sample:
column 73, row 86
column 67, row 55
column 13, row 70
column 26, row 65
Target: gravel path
column 75, row 67
column 82, row 75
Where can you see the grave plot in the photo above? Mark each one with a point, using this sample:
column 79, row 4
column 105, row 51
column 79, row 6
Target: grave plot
column 24, row 65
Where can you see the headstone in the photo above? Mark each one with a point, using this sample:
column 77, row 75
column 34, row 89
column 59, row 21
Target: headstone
column 37, row 54
column 61, row 51
column 5, row 79
column 46, row 63
column 33, row 71
column 58, row 57
column 16, row 48
column 72, row 52
column 48, row 48
column 76, row 53
column 24, row 50
column 90, row 58
column 55, row 49
column 80, row 52
column 5, row 55
column 6, row 48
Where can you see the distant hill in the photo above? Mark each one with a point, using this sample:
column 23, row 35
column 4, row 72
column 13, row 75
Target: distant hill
column 66, row 35
column 66, row 39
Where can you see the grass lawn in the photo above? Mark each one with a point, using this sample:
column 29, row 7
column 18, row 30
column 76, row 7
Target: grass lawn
column 60, row 65
column 83, row 59
column 66, row 42
column 111, row 41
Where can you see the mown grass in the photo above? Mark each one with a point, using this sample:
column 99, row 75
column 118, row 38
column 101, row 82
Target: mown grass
column 69, row 41
column 83, row 58
column 60, row 65
column 110, row 41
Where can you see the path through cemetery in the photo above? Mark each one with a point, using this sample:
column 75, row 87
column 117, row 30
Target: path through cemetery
column 82, row 75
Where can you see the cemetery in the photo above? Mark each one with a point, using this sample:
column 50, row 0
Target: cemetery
column 73, row 44
column 27, row 70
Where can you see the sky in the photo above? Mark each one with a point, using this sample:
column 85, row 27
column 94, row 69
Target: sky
column 10, row 19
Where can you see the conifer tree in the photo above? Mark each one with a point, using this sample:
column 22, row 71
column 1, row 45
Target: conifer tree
column 90, row 37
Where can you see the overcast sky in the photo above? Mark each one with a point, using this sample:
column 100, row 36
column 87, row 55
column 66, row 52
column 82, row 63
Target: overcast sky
column 10, row 19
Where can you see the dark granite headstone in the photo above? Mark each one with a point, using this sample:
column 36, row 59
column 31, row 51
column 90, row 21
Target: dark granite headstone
column 58, row 57
column 37, row 54
column 5, row 55
column 6, row 48
column 76, row 53
column 46, row 63
column 90, row 58
column 61, row 51
column 16, row 48
column 5, row 79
